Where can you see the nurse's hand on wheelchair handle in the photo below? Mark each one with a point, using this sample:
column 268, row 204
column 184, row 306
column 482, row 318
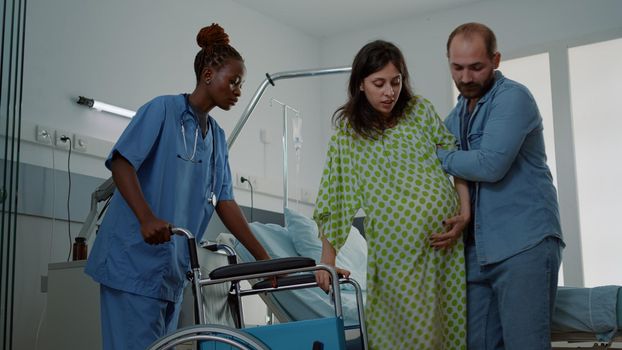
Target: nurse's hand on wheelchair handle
column 322, row 278
column 155, row 230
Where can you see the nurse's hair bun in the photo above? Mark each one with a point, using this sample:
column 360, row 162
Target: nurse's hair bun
column 212, row 36
column 215, row 49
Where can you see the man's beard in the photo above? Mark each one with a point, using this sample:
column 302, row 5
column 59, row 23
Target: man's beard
column 475, row 90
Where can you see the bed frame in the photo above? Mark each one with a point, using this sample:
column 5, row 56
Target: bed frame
column 581, row 340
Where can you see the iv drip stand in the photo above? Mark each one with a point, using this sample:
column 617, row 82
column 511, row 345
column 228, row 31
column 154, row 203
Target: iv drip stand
column 285, row 107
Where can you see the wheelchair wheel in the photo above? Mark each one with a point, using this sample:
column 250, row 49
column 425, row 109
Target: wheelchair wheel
column 210, row 333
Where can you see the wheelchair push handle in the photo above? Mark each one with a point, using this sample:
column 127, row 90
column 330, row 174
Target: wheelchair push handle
column 192, row 246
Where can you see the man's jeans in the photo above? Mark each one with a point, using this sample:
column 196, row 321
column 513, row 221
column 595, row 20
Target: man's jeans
column 510, row 303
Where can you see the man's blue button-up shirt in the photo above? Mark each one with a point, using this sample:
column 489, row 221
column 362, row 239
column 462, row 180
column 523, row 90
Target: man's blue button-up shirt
column 515, row 202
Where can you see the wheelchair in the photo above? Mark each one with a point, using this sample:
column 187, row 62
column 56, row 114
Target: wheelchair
column 289, row 273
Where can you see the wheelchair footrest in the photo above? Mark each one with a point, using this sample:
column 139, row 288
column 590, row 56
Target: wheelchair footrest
column 261, row 267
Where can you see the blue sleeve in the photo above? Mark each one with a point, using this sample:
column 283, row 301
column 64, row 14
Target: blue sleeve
column 437, row 130
column 512, row 116
column 226, row 191
column 140, row 136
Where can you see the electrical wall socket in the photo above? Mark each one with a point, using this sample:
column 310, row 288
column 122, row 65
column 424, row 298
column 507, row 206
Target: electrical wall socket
column 63, row 139
column 307, row 196
column 80, row 143
column 264, row 137
column 252, row 179
column 83, row 144
column 273, row 187
column 44, row 135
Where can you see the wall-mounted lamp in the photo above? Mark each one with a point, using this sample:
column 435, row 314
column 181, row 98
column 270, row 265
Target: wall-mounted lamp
column 100, row 106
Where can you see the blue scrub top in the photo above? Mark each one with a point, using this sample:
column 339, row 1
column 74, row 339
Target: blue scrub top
column 177, row 187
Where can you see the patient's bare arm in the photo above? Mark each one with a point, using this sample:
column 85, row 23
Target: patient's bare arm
column 328, row 258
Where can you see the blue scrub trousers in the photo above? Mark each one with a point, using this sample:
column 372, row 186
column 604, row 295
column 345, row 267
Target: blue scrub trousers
column 133, row 322
column 510, row 303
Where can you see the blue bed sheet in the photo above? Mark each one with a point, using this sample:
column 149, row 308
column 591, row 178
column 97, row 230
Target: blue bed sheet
column 595, row 310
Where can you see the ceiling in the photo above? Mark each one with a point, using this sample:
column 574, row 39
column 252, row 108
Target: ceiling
column 321, row 18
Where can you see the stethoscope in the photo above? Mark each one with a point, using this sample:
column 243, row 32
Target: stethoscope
column 191, row 157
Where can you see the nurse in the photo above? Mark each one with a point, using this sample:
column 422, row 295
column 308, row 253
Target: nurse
column 170, row 167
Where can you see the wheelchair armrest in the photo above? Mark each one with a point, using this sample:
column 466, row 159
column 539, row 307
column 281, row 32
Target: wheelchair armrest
column 286, row 281
column 262, row 266
column 304, row 278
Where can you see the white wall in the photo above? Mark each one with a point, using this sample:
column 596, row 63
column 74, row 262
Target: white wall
column 596, row 123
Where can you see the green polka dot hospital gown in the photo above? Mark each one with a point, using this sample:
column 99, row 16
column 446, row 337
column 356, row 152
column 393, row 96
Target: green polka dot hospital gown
column 416, row 295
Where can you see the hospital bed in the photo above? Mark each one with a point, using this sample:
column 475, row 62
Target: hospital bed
column 588, row 318
column 584, row 318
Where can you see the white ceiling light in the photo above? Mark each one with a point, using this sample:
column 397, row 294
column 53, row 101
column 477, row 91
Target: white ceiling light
column 105, row 107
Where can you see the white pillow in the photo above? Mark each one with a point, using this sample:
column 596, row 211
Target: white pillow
column 353, row 257
column 304, row 234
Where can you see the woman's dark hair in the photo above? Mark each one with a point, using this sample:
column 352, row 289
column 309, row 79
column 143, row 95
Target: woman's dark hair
column 357, row 112
column 215, row 49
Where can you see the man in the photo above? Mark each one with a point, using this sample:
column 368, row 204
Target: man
column 513, row 244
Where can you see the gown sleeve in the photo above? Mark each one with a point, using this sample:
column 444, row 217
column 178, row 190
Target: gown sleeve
column 338, row 198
